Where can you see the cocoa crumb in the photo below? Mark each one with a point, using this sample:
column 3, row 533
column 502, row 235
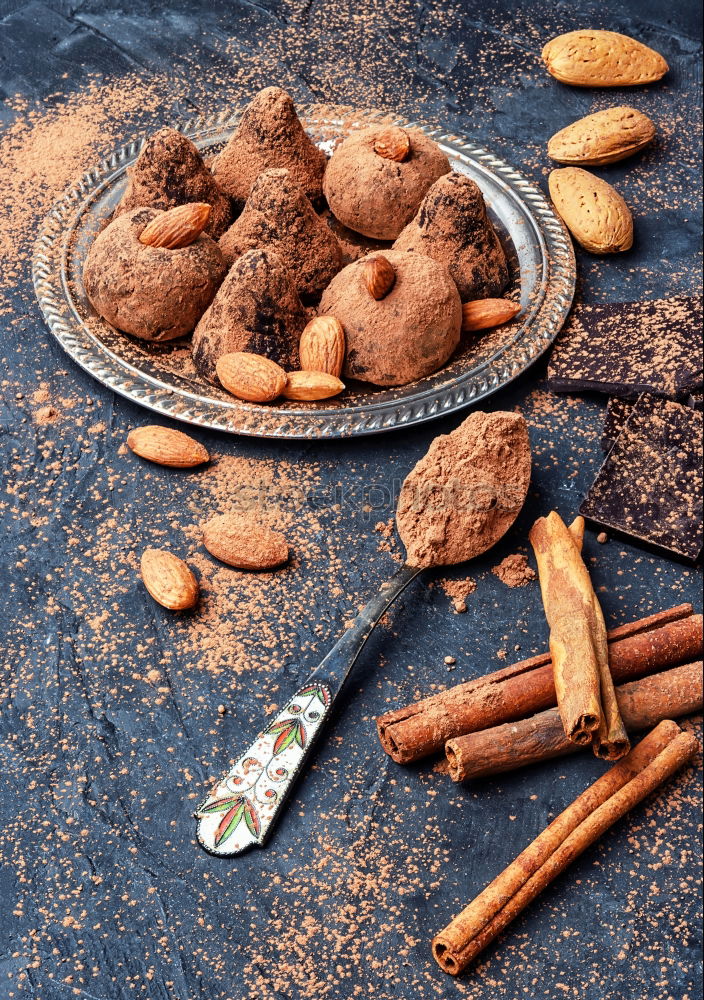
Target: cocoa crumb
column 514, row 571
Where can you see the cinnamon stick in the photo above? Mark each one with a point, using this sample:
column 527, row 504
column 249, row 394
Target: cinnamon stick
column 642, row 704
column 658, row 756
column 654, row 643
column 578, row 643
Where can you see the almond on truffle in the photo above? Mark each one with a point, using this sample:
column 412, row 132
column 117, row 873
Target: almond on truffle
column 393, row 143
column 251, row 376
column 322, row 346
column 169, row 580
column 242, row 541
column 379, row 275
column 177, row 228
column 166, row 446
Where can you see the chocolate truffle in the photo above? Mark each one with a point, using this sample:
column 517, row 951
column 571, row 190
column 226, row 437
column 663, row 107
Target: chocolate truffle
column 153, row 293
column 278, row 215
column 375, row 195
column 256, row 310
column 452, row 227
column 409, row 333
column 169, row 172
column 269, row 135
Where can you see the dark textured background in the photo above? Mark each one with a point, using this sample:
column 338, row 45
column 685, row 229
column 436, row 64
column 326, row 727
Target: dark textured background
column 103, row 892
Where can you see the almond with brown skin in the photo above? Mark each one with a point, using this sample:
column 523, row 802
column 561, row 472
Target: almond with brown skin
column 177, row 228
column 169, row 580
column 251, row 376
column 592, row 58
column 310, row 386
column 379, row 275
column 322, row 346
column 485, row 314
column 167, row 447
column 604, row 137
column 242, row 541
column 595, row 213
column 393, row 143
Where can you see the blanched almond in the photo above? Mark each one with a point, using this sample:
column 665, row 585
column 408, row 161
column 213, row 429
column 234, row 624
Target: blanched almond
column 166, row 446
column 169, row 580
column 309, row 386
column 242, row 541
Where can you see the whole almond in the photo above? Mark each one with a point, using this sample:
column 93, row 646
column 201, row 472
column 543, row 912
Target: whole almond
column 379, row 275
column 604, row 137
column 595, row 214
column 177, row 228
column 393, row 143
column 322, row 346
column 309, row 386
column 485, row 314
column 251, row 376
column 591, row 58
column 169, row 580
column 242, row 541
column 167, row 447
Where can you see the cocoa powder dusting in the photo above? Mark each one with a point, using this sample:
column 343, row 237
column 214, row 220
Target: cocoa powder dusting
column 514, row 570
column 465, row 494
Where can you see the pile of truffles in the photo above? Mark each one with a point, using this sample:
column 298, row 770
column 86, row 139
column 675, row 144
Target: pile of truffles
column 264, row 255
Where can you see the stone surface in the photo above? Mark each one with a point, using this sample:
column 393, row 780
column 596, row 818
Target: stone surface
column 115, row 716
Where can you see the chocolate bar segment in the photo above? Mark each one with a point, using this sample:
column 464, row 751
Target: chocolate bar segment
column 650, row 485
column 627, row 348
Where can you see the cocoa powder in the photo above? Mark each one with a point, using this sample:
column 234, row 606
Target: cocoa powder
column 465, row 494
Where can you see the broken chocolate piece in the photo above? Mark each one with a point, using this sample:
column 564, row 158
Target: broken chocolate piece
column 650, row 485
column 169, row 172
column 269, row 134
column 632, row 347
column 452, row 227
column 278, row 215
column 257, row 310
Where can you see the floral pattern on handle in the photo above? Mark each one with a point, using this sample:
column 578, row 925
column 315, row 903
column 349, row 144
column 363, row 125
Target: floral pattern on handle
column 241, row 809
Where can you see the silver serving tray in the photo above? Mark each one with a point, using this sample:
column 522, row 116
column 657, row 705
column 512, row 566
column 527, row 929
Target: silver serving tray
column 161, row 377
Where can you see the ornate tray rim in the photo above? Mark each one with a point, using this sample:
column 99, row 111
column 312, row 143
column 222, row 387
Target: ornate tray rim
column 235, row 417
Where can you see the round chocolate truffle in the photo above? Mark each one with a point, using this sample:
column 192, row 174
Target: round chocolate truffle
column 375, row 195
column 409, row 333
column 151, row 292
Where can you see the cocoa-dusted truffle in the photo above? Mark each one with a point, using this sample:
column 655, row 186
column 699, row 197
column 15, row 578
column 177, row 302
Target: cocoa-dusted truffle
column 269, row 135
column 256, row 310
column 375, row 195
column 410, row 332
column 169, row 172
column 151, row 292
column 278, row 215
column 452, row 227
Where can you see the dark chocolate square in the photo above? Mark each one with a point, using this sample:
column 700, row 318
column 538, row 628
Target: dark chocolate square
column 628, row 348
column 650, row 485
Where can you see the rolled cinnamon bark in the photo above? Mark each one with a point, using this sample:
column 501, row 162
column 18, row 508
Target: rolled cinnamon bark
column 654, row 643
column 642, row 703
column 578, row 644
column 653, row 761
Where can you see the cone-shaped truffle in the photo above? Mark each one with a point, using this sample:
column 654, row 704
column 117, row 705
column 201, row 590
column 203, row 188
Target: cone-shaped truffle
column 169, row 172
column 278, row 215
column 452, row 227
column 269, row 135
column 256, row 309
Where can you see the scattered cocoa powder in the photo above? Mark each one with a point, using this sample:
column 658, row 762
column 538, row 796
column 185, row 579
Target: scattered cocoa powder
column 514, row 571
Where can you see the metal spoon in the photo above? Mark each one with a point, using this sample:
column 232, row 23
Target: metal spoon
column 244, row 807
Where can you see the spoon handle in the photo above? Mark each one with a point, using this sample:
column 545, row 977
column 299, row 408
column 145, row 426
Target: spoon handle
column 244, row 807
